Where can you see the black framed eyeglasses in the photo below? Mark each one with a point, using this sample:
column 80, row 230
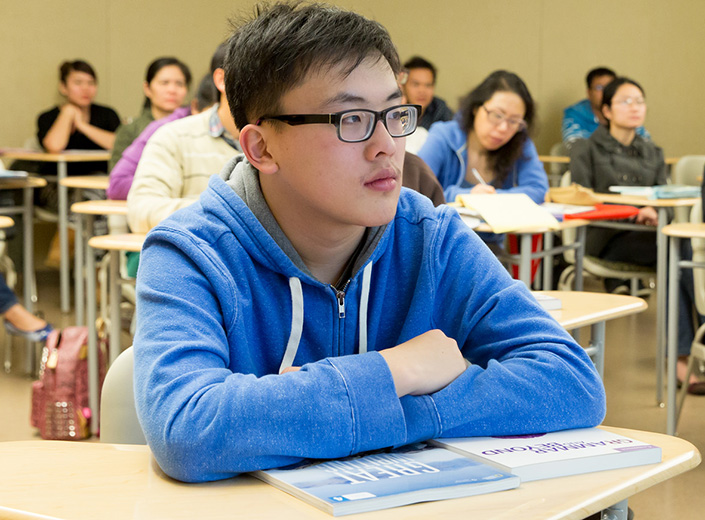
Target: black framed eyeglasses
column 355, row 126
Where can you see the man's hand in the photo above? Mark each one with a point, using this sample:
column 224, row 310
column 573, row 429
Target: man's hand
column 424, row 364
column 647, row 216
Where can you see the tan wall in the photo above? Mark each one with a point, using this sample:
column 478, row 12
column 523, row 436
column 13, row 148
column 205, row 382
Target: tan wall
column 550, row 43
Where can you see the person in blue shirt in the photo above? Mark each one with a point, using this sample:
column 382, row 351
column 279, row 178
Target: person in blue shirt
column 308, row 306
column 489, row 138
column 582, row 119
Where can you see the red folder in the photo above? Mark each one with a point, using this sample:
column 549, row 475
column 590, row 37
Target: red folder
column 605, row 212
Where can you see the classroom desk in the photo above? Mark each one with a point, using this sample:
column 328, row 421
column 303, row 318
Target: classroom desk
column 86, row 211
column 61, row 160
column 676, row 232
column 77, row 481
column 564, row 159
column 583, row 309
column 523, row 259
column 27, row 186
column 113, row 244
column 662, row 206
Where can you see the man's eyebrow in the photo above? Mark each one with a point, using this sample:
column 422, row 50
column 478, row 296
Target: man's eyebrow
column 347, row 97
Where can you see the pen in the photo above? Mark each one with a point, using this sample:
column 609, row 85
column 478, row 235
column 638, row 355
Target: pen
column 478, row 177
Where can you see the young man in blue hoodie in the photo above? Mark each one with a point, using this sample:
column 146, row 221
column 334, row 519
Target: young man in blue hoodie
column 307, row 306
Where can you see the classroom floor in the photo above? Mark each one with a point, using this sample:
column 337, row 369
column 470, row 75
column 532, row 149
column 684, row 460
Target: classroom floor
column 629, row 379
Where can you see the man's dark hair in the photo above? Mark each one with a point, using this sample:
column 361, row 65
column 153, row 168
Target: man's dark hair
column 273, row 53
column 502, row 159
column 218, row 59
column 598, row 72
column 417, row 62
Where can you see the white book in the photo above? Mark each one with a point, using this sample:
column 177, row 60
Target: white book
column 387, row 478
column 550, row 303
column 557, row 454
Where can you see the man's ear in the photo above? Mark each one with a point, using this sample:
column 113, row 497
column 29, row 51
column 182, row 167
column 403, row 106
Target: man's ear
column 253, row 140
column 62, row 89
column 219, row 79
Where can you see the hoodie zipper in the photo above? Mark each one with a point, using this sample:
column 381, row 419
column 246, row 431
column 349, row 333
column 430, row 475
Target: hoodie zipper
column 340, row 297
column 340, row 300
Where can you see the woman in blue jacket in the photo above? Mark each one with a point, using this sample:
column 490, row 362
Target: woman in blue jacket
column 486, row 148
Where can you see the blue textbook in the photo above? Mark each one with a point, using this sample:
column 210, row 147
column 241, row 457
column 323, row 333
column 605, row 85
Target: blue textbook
column 387, row 478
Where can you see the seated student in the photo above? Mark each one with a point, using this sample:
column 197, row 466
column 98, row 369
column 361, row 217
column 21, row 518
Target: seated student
column 490, row 138
column 616, row 155
column 78, row 124
column 308, row 306
column 123, row 172
column 165, row 87
column 419, row 89
column 180, row 157
column 582, row 119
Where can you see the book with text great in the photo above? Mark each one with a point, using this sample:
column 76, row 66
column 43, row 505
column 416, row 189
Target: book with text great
column 557, row 454
column 387, row 478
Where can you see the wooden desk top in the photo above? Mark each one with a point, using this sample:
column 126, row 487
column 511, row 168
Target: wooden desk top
column 6, row 222
column 95, row 182
column 66, row 156
column 29, row 182
column 100, row 207
column 566, row 224
column 685, row 230
column 634, row 200
column 554, row 159
column 86, row 480
column 581, row 309
column 125, row 242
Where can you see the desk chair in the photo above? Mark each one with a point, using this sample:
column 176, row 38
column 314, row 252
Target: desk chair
column 557, row 170
column 697, row 348
column 598, row 267
column 688, row 170
column 118, row 416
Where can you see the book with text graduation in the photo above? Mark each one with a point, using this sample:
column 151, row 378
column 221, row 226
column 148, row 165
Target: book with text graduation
column 387, row 478
column 557, row 454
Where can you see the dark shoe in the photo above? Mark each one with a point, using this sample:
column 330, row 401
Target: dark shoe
column 616, row 286
column 697, row 388
column 32, row 335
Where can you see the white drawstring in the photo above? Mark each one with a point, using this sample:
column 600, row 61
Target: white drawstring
column 297, row 323
column 364, row 302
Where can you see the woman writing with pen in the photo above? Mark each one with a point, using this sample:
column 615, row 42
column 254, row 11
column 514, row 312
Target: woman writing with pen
column 486, row 148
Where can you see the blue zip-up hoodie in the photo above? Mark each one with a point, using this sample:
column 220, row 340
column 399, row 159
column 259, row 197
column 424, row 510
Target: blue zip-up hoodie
column 222, row 309
column 446, row 152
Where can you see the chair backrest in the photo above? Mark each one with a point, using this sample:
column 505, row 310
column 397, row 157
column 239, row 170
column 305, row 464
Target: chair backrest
column 118, row 415
column 557, row 170
column 689, row 171
column 698, row 244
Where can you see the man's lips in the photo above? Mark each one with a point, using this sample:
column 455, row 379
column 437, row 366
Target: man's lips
column 385, row 180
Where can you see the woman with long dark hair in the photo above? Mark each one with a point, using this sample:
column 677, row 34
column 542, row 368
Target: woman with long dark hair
column 487, row 148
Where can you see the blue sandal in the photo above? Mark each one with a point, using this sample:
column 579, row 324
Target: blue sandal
column 32, row 335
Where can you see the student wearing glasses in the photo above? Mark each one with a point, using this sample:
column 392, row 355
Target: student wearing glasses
column 616, row 155
column 308, row 305
column 486, row 148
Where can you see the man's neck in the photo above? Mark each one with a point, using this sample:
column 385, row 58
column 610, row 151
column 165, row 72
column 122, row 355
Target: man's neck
column 599, row 115
column 624, row 135
column 226, row 118
column 325, row 249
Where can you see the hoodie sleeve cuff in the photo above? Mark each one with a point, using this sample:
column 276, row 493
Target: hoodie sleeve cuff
column 378, row 419
column 422, row 418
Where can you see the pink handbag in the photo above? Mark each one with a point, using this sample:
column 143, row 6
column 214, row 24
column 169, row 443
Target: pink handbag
column 60, row 407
